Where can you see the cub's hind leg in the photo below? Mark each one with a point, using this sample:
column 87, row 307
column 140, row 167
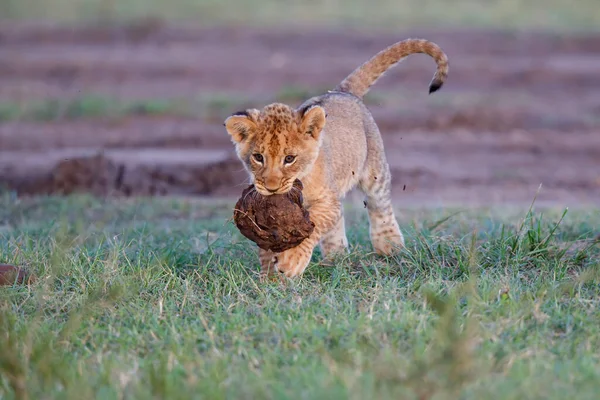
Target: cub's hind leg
column 385, row 233
column 375, row 183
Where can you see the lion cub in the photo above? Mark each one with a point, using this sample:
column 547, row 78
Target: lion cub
column 332, row 144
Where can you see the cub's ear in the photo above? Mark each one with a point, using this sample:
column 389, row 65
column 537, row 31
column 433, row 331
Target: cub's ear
column 240, row 125
column 313, row 121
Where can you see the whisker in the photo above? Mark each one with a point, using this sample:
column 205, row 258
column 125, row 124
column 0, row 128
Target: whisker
column 244, row 183
column 251, row 191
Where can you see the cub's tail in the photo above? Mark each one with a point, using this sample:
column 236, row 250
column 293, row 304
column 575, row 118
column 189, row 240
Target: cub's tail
column 362, row 78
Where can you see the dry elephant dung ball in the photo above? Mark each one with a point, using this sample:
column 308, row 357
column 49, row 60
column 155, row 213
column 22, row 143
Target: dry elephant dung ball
column 277, row 223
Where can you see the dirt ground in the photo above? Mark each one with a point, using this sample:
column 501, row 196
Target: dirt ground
column 518, row 110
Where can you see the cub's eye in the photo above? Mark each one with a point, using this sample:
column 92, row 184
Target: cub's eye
column 258, row 157
column 289, row 159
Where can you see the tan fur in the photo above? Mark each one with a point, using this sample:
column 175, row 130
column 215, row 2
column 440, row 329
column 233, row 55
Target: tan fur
column 359, row 81
column 332, row 144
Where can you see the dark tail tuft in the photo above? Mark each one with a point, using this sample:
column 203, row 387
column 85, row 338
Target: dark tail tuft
column 435, row 85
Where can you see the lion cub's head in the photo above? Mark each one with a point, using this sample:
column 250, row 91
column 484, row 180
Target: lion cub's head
column 277, row 144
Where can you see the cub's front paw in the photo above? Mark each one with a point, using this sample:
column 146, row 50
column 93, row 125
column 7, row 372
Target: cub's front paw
column 294, row 261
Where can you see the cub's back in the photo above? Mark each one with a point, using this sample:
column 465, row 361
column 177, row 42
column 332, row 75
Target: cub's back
column 344, row 148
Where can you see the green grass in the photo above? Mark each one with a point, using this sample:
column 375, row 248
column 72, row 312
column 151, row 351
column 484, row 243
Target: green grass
column 215, row 106
column 381, row 14
column 298, row 93
column 211, row 106
column 86, row 107
column 159, row 298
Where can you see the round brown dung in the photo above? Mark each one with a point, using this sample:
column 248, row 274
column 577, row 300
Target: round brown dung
column 277, row 223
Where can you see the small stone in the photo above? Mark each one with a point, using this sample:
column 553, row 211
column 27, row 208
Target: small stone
column 10, row 274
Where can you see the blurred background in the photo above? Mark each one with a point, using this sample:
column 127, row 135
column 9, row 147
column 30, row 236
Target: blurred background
column 128, row 97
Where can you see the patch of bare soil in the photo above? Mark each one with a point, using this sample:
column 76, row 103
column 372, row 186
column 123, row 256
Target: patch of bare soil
column 519, row 110
column 124, row 172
